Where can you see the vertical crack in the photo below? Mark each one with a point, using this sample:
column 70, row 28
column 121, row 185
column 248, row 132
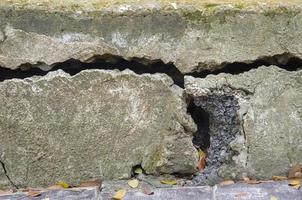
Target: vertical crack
column 6, row 174
column 247, row 146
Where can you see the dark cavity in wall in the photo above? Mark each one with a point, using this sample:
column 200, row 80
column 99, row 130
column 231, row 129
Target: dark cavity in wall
column 285, row 61
column 201, row 139
column 218, row 124
column 109, row 62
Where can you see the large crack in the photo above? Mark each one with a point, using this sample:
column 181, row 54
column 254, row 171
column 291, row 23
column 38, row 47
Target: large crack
column 285, row 61
column 215, row 115
column 142, row 65
column 7, row 176
column 106, row 62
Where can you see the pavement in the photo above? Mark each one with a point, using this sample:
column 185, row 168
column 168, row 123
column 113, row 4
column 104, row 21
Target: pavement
column 239, row 191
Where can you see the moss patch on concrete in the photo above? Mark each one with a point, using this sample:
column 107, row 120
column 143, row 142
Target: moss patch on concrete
column 73, row 5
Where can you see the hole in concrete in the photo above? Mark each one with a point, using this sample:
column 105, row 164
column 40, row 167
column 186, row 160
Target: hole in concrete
column 201, row 139
column 136, row 170
column 218, row 125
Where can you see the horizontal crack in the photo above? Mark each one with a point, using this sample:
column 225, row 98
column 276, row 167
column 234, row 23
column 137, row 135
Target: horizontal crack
column 141, row 66
column 109, row 62
column 285, row 61
column 6, row 174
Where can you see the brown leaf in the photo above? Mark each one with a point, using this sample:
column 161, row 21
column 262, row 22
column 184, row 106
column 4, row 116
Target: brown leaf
column 296, row 168
column 227, row 182
column 295, row 183
column 298, row 174
column 202, row 160
column 252, row 182
column 91, row 183
column 55, row 187
column 33, row 193
column 147, row 191
column 297, row 187
column 279, row 178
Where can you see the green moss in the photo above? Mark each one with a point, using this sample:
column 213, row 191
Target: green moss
column 153, row 161
column 281, row 11
column 240, row 6
column 210, row 7
column 192, row 16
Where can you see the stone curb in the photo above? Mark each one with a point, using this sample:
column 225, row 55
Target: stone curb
column 262, row 191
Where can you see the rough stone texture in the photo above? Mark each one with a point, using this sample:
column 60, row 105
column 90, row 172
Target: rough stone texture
column 185, row 193
column 194, row 35
column 265, row 130
column 263, row 191
column 96, row 124
column 278, row 190
column 3, row 178
column 74, row 194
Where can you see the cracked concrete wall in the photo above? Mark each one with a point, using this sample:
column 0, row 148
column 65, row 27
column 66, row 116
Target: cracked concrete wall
column 268, row 138
column 193, row 39
column 50, row 134
column 3, row 178
column 94, row 124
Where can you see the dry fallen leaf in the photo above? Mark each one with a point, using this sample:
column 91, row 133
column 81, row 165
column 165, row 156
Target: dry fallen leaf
column 279, row 178
column 273, row 198
column 295, row 183
column 169, row 182
column 91, row 183
column 133, row 183
column 120, row 194
column 227, row 182
column 298, row 174
column 147, row 191
column 252, row 182
column 246, row 178
column 296, row 168
column 297, row 187
column 138, row 170
column 33, row 193
column 55, row 187
column 63, row 184
column 202, row 160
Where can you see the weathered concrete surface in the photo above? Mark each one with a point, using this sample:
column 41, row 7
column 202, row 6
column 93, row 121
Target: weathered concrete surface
column 83, row 194
column 263, row 191
column 185, row 193
column 194, row 35
column 278, row 190
column 259, row 114
column 96, row 124
column 3, row 178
